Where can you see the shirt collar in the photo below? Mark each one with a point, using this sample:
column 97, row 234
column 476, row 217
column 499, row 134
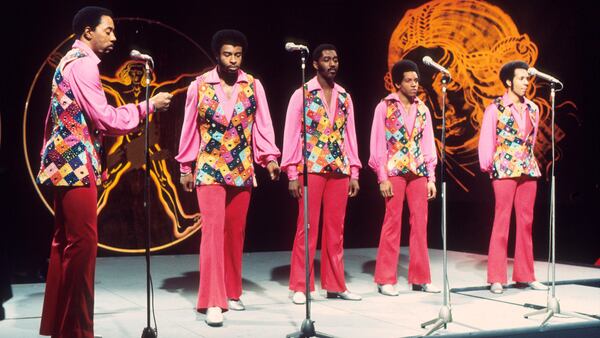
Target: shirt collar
column 507, row 102
column 87, row 50
column 213, row 76
column 313, row 84
column 394, row 97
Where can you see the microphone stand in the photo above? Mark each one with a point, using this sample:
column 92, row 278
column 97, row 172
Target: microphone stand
column 553, row 307
column 445, row 315
column 307, row 329
column 148, row 332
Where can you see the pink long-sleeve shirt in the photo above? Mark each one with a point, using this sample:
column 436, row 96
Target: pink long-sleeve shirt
column 263, row 137
column 487, row 136
column 292, row 136
column 84, row 77
column 378, row 158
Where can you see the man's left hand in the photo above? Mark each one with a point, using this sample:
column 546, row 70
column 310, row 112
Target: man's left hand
column 274, row 170
column 431, row 190
column 353, row 188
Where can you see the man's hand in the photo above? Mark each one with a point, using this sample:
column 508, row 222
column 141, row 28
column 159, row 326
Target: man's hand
column 274, row 170
column 385, row 188
column 431, row 191
column 161, row 101
column 295, row 189
column 187, row 181
column 353, row 188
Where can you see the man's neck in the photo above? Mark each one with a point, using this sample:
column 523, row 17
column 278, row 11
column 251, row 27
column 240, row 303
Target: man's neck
column 514, row 98
column 325, row 84
column 405, row 100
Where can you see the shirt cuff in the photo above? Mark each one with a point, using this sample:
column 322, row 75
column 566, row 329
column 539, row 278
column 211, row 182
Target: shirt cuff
column 382, row 174
column 269, row 159
column 292, row 172
column 142, row 108
column 354, row 172
column 185, row 168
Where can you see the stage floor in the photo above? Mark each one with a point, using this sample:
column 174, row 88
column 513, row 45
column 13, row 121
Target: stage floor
column 121, row 299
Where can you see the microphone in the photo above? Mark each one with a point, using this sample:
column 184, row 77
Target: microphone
column 534, row 72
column 428, row 61
column 136, row 55
column 292, row 47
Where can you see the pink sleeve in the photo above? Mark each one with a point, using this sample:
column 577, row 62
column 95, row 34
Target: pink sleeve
column 487, row 138
column 263, row 136
column 189, row 141
column 428, row 147
column 378, row 149
column 292, row 144
column 84, row 78
column 350, row 142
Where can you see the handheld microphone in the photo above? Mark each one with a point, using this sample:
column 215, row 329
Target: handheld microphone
column 428, row 61
column 534, row 72
column 292, row 47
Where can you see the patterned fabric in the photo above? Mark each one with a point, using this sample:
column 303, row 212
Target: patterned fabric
column 514, row 150
column 325, row 144
column 70, row 146
column 225, row 155
column 404, row 151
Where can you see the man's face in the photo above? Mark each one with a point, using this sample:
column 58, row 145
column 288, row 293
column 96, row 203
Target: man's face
column 520, row 82
column 409, row 84
column 102, row 38
column 327, row 65
column 230, row 58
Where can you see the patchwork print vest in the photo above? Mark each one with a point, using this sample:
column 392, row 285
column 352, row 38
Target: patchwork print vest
column 225, row 155
column 404, row 151
column 325, row 145
column 514, row 150
column 70, row 147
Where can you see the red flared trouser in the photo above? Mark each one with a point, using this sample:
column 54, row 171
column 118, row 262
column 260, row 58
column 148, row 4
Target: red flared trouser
column 520, row 192
column 386, row 267
column 68, row 310
column 332, row 191
column 223, row 209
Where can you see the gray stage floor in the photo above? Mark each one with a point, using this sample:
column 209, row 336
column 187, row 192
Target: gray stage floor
column 121, row 299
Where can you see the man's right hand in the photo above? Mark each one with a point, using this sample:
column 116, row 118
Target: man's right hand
column 385, row 187
column 295, row 189
column 161, row 101
column 188, row 182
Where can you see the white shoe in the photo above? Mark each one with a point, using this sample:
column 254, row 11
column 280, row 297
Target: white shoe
column 299, row 298
column 429, row 288
column 235, row 305
column 535, row 285
column 214, row 316
column 496, row 288
column 346, row 295
column 387, row 289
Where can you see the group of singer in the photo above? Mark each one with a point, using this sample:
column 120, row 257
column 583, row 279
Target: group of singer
column 227, row 128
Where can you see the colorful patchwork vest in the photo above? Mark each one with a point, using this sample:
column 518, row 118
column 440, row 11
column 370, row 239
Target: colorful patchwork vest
column 325, row 145
column 70, row 145
column 514, row 150
column 404, row 151
column 225, row 155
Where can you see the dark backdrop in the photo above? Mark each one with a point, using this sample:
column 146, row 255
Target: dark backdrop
column 566, row 33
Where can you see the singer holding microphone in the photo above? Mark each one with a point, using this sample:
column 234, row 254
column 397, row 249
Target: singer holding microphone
column 333, row 167
column 227, row 127
column 72, row 165
column 403, row 156
column 506, row 152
